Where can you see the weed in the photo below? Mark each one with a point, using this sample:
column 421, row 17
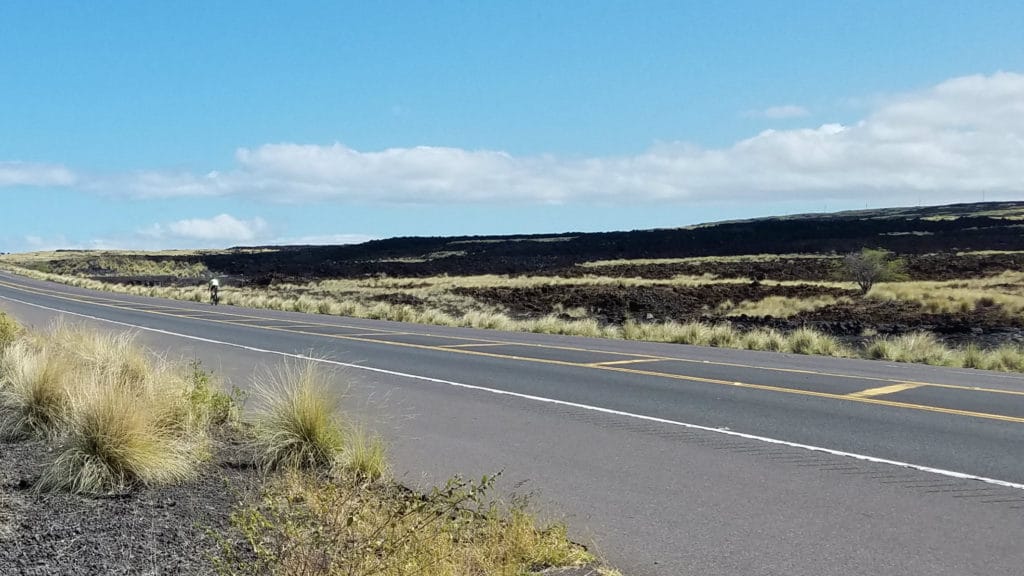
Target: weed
column 305, row 525
column 206, row 397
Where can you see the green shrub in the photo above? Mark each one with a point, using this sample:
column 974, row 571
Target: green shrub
column 209, row 401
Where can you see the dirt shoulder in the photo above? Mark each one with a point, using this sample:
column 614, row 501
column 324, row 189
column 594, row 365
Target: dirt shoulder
column 150, row 530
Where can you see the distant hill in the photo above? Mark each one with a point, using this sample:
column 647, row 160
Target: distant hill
column 919, row 230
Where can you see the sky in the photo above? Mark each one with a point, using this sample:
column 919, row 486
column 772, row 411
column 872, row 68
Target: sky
column 153, row 125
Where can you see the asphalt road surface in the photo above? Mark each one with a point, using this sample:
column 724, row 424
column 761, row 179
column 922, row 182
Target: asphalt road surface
column 667, row 460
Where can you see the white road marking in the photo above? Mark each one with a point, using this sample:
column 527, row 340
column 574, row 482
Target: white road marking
column 725, row 431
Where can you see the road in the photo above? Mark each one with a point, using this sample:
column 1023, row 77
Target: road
column 666, row 459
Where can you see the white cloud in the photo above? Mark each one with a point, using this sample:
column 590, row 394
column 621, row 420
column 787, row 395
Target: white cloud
column 36, row 175
column 37, row 243
column 219, row 229
column 780, row 112
column 947, row 142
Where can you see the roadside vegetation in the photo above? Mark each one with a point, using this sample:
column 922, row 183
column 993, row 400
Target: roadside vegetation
column 117, row 420
column 862, row 305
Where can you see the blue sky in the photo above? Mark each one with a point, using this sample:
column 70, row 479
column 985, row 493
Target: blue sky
column 190, row 124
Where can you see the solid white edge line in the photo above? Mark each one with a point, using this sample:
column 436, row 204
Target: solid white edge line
column 862, row 457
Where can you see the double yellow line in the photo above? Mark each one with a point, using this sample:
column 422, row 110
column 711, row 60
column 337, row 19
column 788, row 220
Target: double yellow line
column 869, row 396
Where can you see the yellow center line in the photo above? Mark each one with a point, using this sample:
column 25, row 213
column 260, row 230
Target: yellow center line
column 883, row 390
column 614, row 368
column 473, row 345
column 618, row 362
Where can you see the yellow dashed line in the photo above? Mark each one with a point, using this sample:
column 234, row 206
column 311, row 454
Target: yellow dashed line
column 475, row 345
column 883, row 390
column 618, row 362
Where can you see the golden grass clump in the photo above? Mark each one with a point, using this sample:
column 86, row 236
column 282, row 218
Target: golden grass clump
column 920, row 347
column 296, row 423
column 764, row 339
column 106, row 354
column 34, row 391
column 115, row 415
column 810, row 341
column 118, row 438
column 1006, row 358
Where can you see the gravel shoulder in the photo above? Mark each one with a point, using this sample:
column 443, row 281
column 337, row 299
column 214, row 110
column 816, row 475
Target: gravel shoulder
column 151, row 531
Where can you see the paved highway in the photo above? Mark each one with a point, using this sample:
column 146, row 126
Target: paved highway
column 669, row 460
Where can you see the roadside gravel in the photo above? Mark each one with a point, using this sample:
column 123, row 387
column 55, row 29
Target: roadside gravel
column 149, row 531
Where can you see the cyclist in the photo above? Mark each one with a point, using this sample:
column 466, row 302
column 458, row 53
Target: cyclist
column 214, row 289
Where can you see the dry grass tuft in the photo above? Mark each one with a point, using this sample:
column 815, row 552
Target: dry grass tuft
column 34, row 391
column 118, row 438
column 366, row 456
column 296, row 423
column 769, row 340
column 115, row 415
column 921, row 347
column 808, row 341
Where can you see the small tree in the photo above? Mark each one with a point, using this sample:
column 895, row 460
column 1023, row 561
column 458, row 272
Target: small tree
column 872, row 265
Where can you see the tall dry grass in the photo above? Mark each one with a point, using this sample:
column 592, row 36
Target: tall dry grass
column 114, row 414
column 1005, row 290
column 35, row 391
column 784, row 307
column 296, row 420
column 117, row 438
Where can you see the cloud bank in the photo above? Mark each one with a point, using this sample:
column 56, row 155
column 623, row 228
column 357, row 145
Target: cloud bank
column 948, row 142
column 32, row 174
column 223, row 228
